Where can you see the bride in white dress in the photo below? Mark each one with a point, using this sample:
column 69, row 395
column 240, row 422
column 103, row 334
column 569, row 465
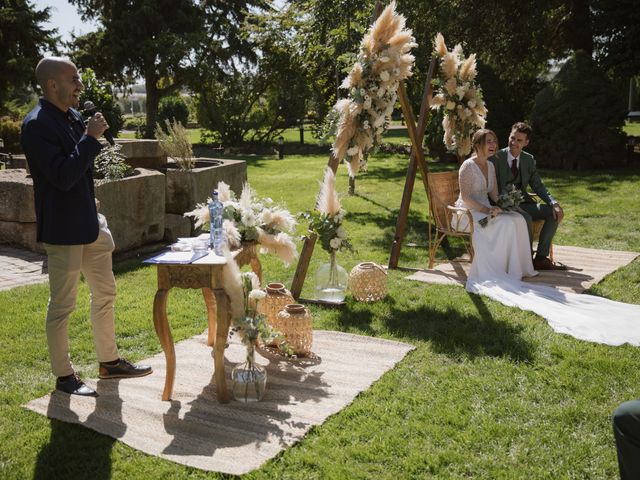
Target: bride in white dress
column 503, row 257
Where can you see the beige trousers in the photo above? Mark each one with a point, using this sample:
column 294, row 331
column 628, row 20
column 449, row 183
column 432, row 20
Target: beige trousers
column 66, row 262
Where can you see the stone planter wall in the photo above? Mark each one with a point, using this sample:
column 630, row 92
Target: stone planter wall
column 186, row 188
column 142, row 153
column 145, row 208
column 17, row 210
column 134, row 207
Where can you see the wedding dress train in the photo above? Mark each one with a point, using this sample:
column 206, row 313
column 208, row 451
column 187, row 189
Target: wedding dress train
column 502, row 258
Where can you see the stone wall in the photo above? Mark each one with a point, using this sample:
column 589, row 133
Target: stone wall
column 17, row 210
column 134, row 207
column 144, row 208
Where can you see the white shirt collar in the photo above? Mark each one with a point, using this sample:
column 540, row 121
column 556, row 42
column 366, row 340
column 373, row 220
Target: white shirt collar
column 510, row 157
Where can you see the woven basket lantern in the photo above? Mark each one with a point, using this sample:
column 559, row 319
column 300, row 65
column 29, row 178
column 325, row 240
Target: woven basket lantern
column 277, row 297
column 368, row 282
column 296, row 324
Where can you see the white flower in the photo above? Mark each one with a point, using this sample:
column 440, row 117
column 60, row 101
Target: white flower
column 451, row 105
column 384, row 76
column 266, row 217
column 248, row 218
column 384, row 59
column 335, row 243
column 471, row 103
column 257, row 295
column 365, row 125
column 339, row 216
column 341, row 232
column 381, row 92
column 353, row 151
column 460, row 91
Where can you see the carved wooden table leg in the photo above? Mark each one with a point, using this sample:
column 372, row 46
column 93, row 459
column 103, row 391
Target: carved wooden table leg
column 161, row 324
column 211, row 315
column 256, row 267
column 222, row 331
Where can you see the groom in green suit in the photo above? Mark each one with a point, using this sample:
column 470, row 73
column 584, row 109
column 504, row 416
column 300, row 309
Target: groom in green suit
column 517, row 167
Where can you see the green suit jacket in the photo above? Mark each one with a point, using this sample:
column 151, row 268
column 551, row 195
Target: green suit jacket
column 527, row 173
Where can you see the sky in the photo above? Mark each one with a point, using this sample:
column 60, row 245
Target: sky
column 65, row 18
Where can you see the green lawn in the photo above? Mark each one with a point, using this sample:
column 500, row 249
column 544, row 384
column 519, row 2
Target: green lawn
column 632, row 129
column 489, row 392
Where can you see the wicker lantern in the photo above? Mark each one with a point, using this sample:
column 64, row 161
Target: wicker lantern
column 368, row 282
column 275, row 300
column 296, row 324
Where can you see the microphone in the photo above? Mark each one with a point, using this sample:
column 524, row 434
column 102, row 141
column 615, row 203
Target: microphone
column 89, row 111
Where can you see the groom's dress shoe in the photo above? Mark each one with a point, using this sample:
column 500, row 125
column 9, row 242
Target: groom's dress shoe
column 543, row 263
column 73, row 385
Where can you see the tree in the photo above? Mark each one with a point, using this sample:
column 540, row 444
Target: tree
column 101, row 95
column 23, row 42
column 149, row 38
column 578, row 118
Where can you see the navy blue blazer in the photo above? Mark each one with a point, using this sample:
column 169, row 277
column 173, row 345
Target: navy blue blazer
column 61, row 159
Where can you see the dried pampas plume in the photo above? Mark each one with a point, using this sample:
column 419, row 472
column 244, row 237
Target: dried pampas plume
column 440, row 46
column 233, row 285
column 280, row 244
column 328, row 200
column 384, row 61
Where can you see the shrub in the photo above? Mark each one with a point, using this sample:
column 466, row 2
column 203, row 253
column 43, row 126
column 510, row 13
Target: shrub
column 577, row 119
column 10, row 134
column 174, row 109
column 175, row 143
column 101, row 94
column 110, row 163
column 135, row 123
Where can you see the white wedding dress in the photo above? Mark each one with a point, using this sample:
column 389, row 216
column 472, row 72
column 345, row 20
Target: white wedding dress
column 502, row 257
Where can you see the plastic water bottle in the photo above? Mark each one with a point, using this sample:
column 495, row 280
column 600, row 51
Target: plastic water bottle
column 216, row 238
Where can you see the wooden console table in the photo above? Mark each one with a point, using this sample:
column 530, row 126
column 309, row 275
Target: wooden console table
column 206, row 274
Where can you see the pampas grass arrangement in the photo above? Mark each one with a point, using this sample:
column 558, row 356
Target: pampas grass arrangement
column 326, row 220
column 252, row 219
column 384, row 61
column 459, row 95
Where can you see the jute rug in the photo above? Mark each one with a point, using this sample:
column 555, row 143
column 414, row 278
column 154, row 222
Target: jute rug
column 586, row 266
column 194, row 429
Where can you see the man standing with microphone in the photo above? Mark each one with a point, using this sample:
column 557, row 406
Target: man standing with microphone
column 60, row 151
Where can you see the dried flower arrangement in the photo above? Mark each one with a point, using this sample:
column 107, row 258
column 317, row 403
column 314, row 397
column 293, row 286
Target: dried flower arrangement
column 459, row 95
column 252, row 219
column 384, row 61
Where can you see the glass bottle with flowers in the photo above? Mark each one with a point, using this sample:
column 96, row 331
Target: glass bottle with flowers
column 326, row 222
column 250, row 378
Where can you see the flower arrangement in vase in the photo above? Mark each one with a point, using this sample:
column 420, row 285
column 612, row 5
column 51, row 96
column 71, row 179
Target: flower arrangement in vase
column 252, row 219
column 459, row 95
column 383, row 62
column 326, row 223
column 250, row 378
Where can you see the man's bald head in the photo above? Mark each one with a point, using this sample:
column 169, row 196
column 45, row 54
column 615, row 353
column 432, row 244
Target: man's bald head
column 60, row 82
column 50, row 68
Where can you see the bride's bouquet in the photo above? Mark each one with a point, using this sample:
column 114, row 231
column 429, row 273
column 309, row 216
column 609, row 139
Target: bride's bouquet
column 509, row 200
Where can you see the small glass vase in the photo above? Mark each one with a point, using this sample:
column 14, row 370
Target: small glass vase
column 331, row 281
column 249, row 379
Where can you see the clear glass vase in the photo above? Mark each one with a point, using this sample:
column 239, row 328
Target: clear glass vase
column 331, row 281
column 249, row 379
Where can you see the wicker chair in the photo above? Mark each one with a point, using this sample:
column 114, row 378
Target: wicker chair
column 452, row 221
column 443, row 192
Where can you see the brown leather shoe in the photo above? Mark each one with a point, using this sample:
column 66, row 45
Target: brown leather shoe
column 543, row 263
column 123, row 369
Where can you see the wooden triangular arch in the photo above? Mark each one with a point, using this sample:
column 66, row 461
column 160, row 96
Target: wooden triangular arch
column 416, row 161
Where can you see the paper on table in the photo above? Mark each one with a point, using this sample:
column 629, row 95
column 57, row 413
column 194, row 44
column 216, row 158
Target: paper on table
column 176, row 257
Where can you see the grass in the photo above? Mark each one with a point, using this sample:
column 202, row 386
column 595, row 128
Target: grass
column 632, row 129
column 489, row 392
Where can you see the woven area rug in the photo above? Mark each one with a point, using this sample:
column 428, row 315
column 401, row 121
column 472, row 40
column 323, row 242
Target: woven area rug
column 194, row 429
column 586, row 266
